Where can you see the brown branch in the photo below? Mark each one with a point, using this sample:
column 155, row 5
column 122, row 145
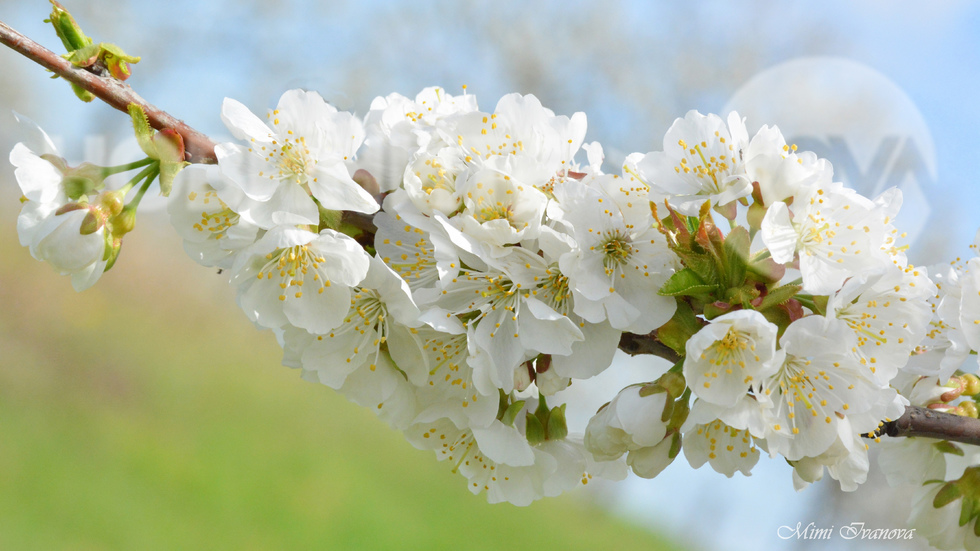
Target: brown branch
column 635, row 345
column 927, row 423
column 198, row 147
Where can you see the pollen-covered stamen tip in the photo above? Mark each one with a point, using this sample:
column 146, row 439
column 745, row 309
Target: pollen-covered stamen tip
column 293, row 267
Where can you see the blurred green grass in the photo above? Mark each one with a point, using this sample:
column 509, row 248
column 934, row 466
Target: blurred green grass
column 147, row 413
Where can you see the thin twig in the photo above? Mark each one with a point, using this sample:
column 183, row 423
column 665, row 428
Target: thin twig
column 198, row 147
column 928, row 423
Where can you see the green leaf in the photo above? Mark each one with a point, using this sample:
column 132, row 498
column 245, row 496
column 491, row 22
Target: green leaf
column 685, row 283
column 703, row 264
column 778, row 296
column 82, row 93
column 743, row 295
column 679, row 328
column 736, row 253
column 143, row 130
column 67, row 28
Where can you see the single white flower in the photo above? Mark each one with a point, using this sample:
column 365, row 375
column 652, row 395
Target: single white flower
column 846, row 460
column 212, row 232
column 498, row 210
column 780, row 171
column 68, row 232
column 293, row 276
column 836, row 232
column 381, row 316
column 521, row 139
column 725, row 448
column 888, row 312
column 819, row 383
column 305, row 152
column 701, row 161
column 730, row 355
column 398, row 127
column 620, row 261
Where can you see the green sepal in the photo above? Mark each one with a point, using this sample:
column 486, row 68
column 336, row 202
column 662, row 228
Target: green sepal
column 736, row 250
column 945, row 446
column 674, row 382
column 976, row 527
column 113, row 247
column 557, row 426
column 676, row 332
column 966, row 509
column 682, row 408
column 675, row 446
column 949, row 493
column 510, row 414
column 668, row 410
column 756, row 213
column 534, row 430
column 651, row 389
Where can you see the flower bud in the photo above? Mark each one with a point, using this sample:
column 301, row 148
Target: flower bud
column 522, row 377
column 123, row 223
column 972, row 384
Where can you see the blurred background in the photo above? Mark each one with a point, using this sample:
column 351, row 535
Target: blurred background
column 147, row 412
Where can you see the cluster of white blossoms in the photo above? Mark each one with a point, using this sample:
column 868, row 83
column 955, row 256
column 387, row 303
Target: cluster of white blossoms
column 504, row 265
